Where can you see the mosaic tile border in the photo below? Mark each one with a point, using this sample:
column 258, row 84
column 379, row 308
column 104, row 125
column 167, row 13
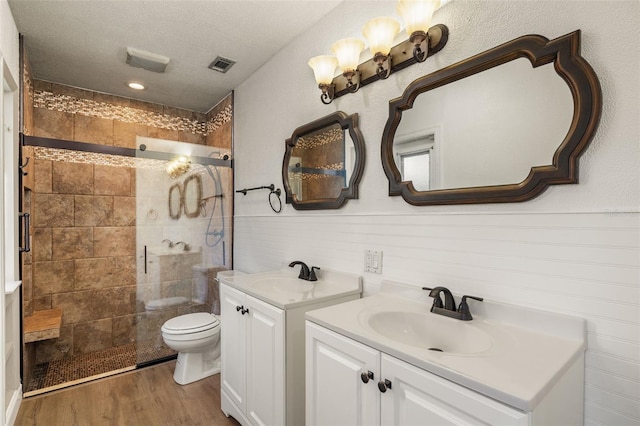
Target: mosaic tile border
column 69, row 104
column 320, row 139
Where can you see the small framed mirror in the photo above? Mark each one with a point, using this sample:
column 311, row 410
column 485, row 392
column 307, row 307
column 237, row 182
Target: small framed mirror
column 498, row 127
column 323, row 163
column 175, row 201
column 192, row 192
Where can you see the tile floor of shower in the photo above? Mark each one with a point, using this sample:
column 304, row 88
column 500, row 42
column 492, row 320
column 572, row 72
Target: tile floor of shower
column 89, row 366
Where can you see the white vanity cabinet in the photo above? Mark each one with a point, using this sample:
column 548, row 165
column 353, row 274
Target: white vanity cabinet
column 263, row 344
column 338, row 367
column 252, row 358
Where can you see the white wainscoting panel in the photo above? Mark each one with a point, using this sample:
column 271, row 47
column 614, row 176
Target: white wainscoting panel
column 582, row 264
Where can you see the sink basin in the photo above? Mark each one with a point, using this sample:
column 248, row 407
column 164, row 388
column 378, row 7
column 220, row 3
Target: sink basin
column 282, row 285
column 429, row 331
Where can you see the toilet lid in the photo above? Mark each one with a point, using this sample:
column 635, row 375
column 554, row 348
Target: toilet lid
column 191, row 323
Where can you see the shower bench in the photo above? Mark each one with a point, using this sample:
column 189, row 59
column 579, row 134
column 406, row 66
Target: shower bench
column 42, row 325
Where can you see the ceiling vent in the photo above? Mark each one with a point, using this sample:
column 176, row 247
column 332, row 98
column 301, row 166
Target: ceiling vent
column 146, row 60
column 221, row 64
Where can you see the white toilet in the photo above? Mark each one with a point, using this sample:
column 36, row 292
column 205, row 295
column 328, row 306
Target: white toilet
column 196, row 338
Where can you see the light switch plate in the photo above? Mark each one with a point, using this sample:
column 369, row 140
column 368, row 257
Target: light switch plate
column 373, row 261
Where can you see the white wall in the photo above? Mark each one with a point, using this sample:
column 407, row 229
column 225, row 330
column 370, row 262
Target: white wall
column 9, row 46
column 573, row 249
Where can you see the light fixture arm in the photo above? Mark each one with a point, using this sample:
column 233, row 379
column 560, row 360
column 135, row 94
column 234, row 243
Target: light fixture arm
column 420, row 39
column 328, row 93
column 353, row 80
column 384, row 65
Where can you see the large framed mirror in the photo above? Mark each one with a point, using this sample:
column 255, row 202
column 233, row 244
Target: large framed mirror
column 498, row 127
column 323, row 162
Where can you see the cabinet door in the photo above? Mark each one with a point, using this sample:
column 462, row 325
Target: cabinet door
column 335, row 392
column 233, row 347
column 265, row 363
column 417, row 397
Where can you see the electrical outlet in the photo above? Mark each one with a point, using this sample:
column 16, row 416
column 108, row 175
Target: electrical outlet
column 373, row 261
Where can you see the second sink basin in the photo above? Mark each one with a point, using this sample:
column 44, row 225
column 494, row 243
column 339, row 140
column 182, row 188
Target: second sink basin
column 429, row 331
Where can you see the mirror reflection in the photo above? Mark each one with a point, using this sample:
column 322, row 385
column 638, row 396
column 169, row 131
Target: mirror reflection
column 323, row 162
column 175, row 201
column 500, row 126
column 487, row 129
column 192, row 192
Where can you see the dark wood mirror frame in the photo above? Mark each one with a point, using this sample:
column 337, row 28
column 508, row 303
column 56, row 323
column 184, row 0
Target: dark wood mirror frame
column 346, row 122
column 587, row 99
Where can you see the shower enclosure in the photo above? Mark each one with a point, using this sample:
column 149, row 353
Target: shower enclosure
column 182, row 235
column 122, row 240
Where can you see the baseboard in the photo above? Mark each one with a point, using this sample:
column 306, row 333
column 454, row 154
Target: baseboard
column 14, row 406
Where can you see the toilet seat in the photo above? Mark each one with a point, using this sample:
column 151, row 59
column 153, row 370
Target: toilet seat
column 191, row 323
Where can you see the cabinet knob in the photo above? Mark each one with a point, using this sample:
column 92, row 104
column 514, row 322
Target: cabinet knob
column 238, row 308
column 244, row 311
column 384, row 385
column 366, row 376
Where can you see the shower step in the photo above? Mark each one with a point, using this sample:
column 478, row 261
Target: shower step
column 42, row 325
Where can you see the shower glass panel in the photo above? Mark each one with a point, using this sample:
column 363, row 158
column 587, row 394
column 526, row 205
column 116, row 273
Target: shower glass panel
column 183, row 235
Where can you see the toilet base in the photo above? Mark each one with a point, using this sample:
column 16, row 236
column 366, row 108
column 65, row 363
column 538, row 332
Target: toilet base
column 194, row 366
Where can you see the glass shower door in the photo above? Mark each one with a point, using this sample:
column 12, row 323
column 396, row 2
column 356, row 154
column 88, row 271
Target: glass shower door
column 183, row 235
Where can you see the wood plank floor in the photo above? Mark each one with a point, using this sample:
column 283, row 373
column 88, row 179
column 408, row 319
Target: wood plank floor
column 148, row 396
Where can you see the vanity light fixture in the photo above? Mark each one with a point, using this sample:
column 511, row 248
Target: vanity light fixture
column 417, row 15
column 380, row 33
column 178, row 166
column 347, row 53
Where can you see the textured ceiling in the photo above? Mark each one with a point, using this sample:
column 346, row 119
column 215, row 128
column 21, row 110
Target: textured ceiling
column 83, row 43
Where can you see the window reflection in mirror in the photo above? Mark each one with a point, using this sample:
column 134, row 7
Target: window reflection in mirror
column 415, row 157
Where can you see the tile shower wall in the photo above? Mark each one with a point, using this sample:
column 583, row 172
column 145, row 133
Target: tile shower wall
column 84, row 214
column 83, row 253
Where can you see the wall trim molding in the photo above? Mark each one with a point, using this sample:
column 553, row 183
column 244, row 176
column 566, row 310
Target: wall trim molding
column 454, row 213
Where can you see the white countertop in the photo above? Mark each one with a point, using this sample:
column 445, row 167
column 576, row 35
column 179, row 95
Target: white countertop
column 282, row 288
column 528, row 351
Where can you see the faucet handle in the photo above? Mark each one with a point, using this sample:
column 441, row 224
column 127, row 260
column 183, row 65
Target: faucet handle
column 312, row 274
column 463, row 308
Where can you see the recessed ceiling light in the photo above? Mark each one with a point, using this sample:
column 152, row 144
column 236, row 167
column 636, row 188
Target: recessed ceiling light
column 136, row 86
